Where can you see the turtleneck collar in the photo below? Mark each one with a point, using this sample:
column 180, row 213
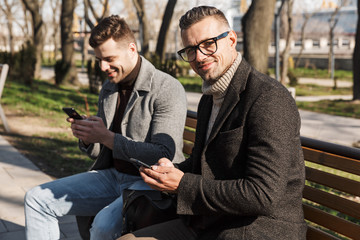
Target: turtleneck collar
column 218, row 89
column 129, row 80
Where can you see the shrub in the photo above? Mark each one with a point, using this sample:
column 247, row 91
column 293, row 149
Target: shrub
column 21, row 64
column 95, row 75
column 293, row 81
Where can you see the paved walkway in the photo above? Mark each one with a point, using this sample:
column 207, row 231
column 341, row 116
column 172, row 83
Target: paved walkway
column 18, row 174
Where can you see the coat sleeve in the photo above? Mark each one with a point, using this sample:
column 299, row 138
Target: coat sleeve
column 272, row 167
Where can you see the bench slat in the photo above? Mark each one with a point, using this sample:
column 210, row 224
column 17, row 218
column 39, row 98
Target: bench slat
column 189, row 135
column 331, row 160
column 333, row 181
column 190, row 122
column 332, row 201
column 316, row 234
column 331, row 222
column 187, row 148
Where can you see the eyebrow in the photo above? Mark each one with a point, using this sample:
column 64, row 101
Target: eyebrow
column 105, row 58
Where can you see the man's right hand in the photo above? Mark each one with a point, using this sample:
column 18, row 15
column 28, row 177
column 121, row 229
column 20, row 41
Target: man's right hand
column 163, row 176
column 92, row 130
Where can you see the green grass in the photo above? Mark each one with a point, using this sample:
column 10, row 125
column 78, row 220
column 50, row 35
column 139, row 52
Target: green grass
column 319, row 73
column 54, row 152
column 316, row 90
column 333, row 107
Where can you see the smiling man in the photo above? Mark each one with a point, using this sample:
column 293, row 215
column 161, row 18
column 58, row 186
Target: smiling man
column 141, row 115
column 245, row 176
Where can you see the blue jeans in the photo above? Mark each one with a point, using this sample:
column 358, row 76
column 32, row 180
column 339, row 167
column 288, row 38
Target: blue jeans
column 94, row 193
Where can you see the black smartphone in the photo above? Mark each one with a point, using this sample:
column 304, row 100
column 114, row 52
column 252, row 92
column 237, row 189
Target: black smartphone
column 139, row 163
column 72, row 113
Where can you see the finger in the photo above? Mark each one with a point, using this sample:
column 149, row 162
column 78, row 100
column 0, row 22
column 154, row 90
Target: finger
column 162, row 169
column 94, row 118
column 165, row 162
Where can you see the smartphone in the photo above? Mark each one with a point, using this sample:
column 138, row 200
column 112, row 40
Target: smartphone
column 72, row 113
column 139, row 163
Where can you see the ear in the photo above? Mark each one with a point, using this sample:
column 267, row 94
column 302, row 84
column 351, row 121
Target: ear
column 133, row 48
column 233, row 38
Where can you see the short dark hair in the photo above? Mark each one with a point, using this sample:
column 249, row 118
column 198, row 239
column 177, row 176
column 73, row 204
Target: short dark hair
column 197, row 14
column 113, row 27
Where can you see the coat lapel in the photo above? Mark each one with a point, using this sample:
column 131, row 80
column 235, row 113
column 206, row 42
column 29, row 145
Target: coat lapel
column 110, row 100
column 232, row 97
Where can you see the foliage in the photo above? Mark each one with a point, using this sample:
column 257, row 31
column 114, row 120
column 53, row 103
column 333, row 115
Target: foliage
column 54, row 152
column 169, row 65
column 21, row 64
column 191, row 84
column 293, row 81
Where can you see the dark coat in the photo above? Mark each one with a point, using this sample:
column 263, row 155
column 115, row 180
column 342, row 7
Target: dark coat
column 246, row 180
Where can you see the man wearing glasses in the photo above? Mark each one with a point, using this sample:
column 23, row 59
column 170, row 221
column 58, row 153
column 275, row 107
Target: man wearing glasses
column 245, row 176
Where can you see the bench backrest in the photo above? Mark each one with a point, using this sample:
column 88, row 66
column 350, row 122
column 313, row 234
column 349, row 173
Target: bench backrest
column 331, row 197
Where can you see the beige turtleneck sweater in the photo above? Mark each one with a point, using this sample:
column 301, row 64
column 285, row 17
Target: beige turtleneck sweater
column 218, row 91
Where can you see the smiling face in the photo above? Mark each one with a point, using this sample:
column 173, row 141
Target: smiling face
column 211, row 68
column 116, row 59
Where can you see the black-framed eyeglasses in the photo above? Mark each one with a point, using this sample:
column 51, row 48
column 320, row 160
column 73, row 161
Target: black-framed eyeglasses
column 206, row 47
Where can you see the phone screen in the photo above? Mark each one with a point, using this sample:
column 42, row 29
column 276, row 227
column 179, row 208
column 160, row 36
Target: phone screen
column 72, row 113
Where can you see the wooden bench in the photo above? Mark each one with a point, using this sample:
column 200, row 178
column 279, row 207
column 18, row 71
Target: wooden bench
column 331, row 197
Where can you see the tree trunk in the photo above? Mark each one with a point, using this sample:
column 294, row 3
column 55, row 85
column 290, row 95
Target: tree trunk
column 143, row 27
column 161, row 42
column 356, row 60
column 66, row 72
column 286, row 53
column 256, row 25
column 302, row 38
column 38, row 34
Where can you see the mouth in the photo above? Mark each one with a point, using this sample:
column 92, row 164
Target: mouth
column 111, row 74
column 205, row 66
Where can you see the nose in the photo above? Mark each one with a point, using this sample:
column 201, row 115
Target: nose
column 104, row 65
column 199, row 55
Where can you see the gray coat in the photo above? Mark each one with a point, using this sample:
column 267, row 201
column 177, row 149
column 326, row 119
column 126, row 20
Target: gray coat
column 153, row 122
column 152, row 126
column 247, row 178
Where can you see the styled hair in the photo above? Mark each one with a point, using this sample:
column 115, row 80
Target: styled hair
column 197, row 14
column 113, row 27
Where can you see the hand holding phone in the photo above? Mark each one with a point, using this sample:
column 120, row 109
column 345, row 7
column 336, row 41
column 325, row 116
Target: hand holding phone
column 72, row 113
column 139, row 163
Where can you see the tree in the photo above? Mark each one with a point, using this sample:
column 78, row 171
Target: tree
column 356, row 59
column 161, row 42
column 307, row 17
column 7, row 9
column 289, row 32
column 65, row 70
column 143, row 27
column 256, row 25
column 34, row 8
column 55, row 6
column 90, row 5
